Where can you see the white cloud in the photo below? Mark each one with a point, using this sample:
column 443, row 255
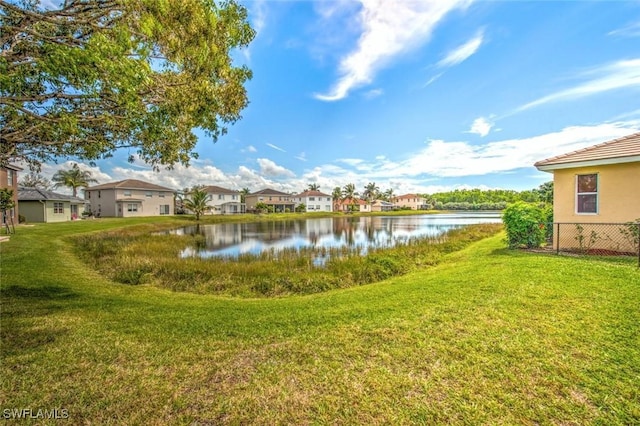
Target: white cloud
column 432, row 79
column 271, row 169
column 302, row 156
column 463, row 52
column 249, row 148
column 277, row 148
column 481, row 126
column 374, row 93
column 388, row 29
column 612, row 76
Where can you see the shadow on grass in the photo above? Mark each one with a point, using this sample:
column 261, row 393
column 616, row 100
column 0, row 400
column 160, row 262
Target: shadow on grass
column 24, row 311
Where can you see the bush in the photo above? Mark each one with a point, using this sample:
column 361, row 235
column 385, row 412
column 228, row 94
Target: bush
column 525, row 225
column 22, row 219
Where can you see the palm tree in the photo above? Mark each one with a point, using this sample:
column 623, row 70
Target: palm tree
column 349, row 193
column 197, row 202
column 243, row 194
column 388, row 195
column 313, row 187
column 74, row 178
column 371, row 192
column 337, row 196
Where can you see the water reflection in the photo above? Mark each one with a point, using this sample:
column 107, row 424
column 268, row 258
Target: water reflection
column 231, row 240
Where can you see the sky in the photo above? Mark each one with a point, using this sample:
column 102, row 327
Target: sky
column 416, row 96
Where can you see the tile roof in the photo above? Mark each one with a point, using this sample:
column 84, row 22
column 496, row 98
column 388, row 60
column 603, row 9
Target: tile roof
column 312, row 194
column 622, row 148
column 35, row 194
column 130, row 184
column 219, row 190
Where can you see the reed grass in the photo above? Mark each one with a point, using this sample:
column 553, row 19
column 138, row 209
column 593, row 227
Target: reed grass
column 137, row 256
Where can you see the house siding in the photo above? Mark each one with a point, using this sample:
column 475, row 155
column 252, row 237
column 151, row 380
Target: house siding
column 113, row 202
column 618, row 196
column 4, row 184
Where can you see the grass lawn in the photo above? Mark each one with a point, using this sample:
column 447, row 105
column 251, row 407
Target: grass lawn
column 488, row 336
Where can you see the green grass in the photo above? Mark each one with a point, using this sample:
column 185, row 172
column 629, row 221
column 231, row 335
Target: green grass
column 487, row 336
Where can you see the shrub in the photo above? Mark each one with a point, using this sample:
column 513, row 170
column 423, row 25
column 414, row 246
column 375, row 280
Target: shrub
column 22, row 219
column 525, row 225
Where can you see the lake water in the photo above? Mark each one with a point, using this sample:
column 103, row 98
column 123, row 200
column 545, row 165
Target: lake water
column 230, row 240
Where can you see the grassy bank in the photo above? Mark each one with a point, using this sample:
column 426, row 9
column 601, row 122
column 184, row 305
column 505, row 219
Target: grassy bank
column 487, row 336
column 136, row 255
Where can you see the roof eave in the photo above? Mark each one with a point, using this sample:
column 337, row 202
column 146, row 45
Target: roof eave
column 589, row 163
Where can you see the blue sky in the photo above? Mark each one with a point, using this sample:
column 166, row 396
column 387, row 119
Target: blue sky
column 418, row 96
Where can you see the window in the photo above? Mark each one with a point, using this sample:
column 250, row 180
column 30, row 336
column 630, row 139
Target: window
column 148, row 194
column 312, row 198
column 220, row 196
column 10, row 177
column 587, row 194
column 161, row 194
column 132, row 208
column 99, row 194
column 234, row 197
column 127, row 193
column 58, row 208
column 164, row 209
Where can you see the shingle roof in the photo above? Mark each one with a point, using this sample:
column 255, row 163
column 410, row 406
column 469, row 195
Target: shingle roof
column 219, row 190
column 269, row 191
column 130, row 184
column 622, row 148
column 34, row 194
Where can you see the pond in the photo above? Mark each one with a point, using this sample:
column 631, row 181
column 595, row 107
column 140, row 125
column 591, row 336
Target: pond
column 230, row 240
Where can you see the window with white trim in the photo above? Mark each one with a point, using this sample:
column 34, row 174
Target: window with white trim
column 132, row 207
column 164, row 209
column 127, row 193
column 587, row 194
column 58, row 208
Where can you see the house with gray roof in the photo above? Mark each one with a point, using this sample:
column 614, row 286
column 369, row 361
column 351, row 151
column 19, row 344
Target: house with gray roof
column 130, row 198
column 39, row 205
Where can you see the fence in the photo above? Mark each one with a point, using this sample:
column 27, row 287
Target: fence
column 602, row 239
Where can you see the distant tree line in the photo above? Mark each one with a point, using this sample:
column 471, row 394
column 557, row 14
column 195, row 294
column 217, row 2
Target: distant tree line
column 490, row 199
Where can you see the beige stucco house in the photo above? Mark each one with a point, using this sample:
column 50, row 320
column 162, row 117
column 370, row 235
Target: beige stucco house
column 314, row 201
column 224, row 201
column 352, row 205
column 130, row 198
column 39, row 205
column 595, row 185
column 412, row 201
column 279, row 202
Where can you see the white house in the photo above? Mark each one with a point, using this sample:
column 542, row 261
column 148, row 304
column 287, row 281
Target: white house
column 224, row 201
column 314, row 201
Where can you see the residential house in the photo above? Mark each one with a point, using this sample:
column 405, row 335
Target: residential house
column 130, row 198
column 278, row 202
column 9, row 180
column 381, row 206
column 597, row 184
column 353, row 205
column 224, row 201
column 39, row 205
column 314, row 201
column 411, row 201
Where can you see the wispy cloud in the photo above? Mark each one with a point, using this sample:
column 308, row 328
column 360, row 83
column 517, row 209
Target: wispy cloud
column 249, row 148
column 631, row 30
column 481, row 126
column 462, row 53
column 388, row 29
column 612, row 76
column 302, row 156
column 277, row 148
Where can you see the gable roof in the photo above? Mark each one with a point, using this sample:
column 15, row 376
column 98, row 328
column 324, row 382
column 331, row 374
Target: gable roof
column 130, row 184
column 219, row 190
column 312, row 194
column 35, row 194
column 621, row 150
column 269, row 191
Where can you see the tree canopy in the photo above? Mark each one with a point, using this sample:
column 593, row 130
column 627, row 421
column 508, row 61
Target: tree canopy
column 91, row 77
